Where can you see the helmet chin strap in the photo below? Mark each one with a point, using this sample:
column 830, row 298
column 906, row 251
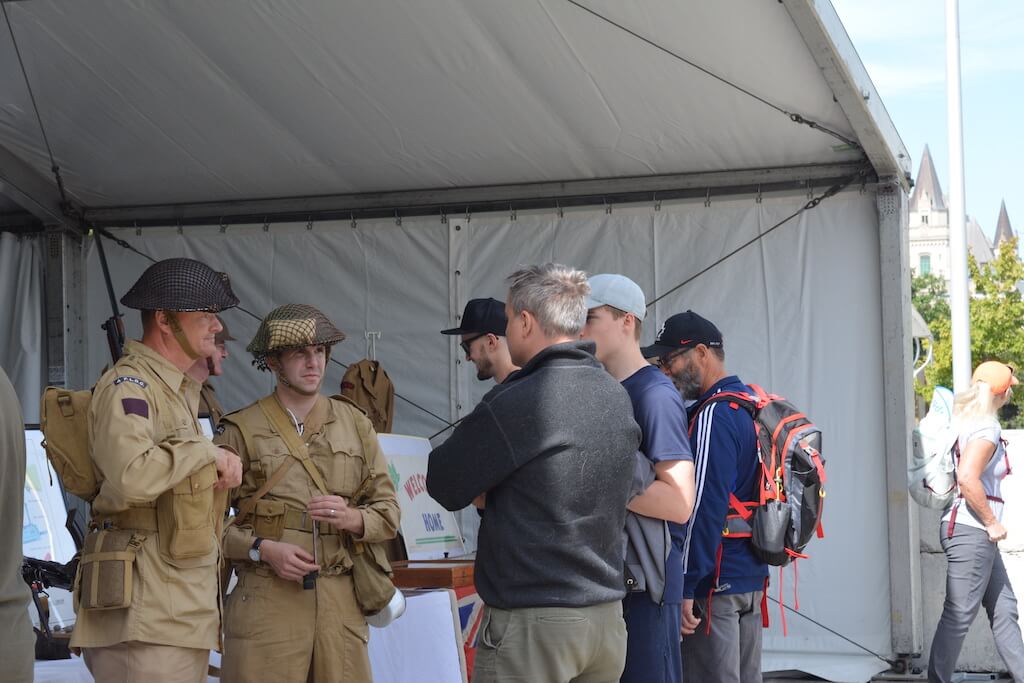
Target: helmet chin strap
column 284, row 382
column 179, row 335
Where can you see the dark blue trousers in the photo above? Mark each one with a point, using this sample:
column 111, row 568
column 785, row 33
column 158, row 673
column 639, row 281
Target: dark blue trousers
column 652, row 641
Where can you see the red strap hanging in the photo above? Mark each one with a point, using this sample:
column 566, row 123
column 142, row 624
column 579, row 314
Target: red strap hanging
column 711, row 593
column 764, row 604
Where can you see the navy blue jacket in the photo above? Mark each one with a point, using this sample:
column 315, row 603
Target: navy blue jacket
column 725, row 459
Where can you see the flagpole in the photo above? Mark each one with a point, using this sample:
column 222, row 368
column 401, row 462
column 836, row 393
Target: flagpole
column 958, row 295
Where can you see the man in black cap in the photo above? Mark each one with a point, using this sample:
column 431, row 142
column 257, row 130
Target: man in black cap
column 690, row 350
column 483, row 339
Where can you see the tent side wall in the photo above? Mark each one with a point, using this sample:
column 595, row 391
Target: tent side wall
column 805, row 296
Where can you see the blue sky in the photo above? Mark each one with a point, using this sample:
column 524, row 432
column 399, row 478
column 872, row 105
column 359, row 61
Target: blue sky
column 902, row 44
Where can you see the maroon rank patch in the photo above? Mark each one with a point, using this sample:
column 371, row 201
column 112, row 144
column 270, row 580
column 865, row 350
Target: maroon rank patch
column 135, row 406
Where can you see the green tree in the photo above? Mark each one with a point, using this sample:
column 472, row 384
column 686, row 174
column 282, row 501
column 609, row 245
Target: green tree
column 996, row 315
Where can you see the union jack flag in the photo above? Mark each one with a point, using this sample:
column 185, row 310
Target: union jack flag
column 471, row 611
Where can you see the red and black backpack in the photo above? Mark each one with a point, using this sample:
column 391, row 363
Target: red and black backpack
column 787, row 512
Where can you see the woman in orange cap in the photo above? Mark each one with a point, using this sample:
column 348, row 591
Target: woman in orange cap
column 971, row 529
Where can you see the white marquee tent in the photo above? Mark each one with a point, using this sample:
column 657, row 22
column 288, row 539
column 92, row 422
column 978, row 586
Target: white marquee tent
column 388, row 161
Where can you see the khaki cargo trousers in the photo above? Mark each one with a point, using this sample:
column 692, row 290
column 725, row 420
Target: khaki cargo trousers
column 551, row 645
column 136, row 662
column 276, row 631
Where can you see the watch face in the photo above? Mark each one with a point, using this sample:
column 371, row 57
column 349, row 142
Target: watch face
column 254, row 554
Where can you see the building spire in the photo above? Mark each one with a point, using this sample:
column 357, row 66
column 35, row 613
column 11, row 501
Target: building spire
column 927, row 185
column 1003, row 230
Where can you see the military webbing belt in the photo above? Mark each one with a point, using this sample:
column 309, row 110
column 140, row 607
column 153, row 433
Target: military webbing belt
column 143, row 519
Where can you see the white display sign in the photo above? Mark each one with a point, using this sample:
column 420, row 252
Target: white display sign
column 430, row 531
column 43, row 535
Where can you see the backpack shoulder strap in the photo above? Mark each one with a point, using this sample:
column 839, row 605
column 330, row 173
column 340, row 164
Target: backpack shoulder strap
column 739, row 399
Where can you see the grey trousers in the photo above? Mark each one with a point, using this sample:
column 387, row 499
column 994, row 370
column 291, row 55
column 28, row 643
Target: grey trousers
column 731, row 653
column 975, row 576
column 551, row 645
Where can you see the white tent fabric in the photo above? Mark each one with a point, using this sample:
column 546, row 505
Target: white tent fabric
column 796, row 299
column 22, row 341
column 161, row 102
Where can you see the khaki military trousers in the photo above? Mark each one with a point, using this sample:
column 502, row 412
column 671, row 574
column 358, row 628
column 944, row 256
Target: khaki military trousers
column 276, row 631
column 136, row 662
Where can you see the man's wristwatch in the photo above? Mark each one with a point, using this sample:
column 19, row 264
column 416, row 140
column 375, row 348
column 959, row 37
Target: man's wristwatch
column 254, row 551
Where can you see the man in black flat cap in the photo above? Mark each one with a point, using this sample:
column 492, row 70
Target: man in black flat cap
column 483, row 339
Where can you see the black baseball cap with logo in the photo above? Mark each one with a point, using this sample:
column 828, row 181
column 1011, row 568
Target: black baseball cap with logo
column 482, row 316
column 683, row 331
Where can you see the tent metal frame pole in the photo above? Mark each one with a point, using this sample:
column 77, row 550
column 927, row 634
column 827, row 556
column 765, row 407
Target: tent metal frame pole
column 897, row 411
column 834, row 53
column 461, row 200
column 32, row 191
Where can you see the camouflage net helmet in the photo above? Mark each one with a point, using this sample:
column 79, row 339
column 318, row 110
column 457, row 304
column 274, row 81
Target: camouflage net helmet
column 181, row 284
column 292, row 326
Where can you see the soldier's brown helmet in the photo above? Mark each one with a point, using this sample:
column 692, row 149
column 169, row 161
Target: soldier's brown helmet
column 181, row 284
column 292, row 326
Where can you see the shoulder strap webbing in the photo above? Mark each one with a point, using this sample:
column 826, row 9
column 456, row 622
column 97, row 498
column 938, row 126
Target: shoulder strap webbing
column 296, row 446
column 248, row 504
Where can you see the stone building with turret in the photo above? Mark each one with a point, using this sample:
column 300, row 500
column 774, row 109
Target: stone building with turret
column 929, row 226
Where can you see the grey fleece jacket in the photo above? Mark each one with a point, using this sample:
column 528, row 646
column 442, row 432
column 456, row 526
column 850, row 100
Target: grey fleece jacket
column 553, row 447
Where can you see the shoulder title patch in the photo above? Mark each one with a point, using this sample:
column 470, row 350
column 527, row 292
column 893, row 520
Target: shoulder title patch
column 129, row 378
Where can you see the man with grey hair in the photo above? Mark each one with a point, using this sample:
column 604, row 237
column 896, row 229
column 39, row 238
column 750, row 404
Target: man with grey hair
column 553, row 448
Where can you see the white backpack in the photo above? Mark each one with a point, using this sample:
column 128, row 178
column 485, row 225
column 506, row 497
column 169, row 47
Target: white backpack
column 931, row 476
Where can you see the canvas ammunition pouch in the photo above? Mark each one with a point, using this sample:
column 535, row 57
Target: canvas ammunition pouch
column 186, row 516
column 104, row 578
column 268, row 519
column 64, row 421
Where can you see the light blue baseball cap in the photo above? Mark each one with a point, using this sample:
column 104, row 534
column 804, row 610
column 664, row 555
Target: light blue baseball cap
column 617, row 291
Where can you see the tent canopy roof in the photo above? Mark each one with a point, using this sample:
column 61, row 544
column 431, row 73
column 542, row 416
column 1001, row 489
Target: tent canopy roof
column 168, row 103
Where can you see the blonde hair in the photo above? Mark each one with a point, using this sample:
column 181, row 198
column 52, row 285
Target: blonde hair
column 978, row 402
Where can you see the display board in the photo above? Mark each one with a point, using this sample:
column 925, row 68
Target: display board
column 429, row 530
column 43, row 535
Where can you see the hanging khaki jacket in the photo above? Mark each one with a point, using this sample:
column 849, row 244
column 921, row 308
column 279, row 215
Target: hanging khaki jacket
column 370, row 388
column 157, row 473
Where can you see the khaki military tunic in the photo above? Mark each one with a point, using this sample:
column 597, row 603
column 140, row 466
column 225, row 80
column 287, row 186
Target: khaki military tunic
column 209, row 404
column 153, row 460
column 275, row 630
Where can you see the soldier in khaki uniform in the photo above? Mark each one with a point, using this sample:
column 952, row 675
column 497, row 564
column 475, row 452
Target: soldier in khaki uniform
column 336, row 477
column 212, row 366
column 158, row 476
